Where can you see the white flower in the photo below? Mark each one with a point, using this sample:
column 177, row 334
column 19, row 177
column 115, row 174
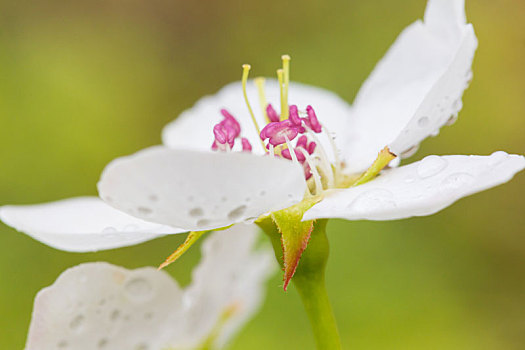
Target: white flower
column 102, row 306
column 184, row 186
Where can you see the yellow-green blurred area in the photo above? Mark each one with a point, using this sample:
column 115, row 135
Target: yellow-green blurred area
column 83, row 82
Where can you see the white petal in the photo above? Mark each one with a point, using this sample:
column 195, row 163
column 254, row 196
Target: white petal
column 200, row 190
column 193, row 128
column 418, row 189
column 416, row 88
column 229, row 274
column 81, row 224
column 99, row 306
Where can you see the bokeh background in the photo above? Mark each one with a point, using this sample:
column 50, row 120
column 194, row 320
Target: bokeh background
column 86, row 81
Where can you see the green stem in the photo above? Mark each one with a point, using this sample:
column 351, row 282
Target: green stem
column 309, row 279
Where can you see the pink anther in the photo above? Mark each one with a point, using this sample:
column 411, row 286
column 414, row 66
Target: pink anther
column 246, row 145
column 294, row 116
column 272, row 114
column 300, row 155
column 313, row 122
column 278, row 132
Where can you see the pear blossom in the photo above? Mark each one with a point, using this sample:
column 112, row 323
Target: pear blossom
column 103, row 306
column 262, row 160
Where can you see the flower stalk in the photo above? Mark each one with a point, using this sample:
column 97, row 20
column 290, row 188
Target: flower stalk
column 309, row 279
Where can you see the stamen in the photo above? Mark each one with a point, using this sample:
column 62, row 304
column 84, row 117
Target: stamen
column 312, row 118
column 245, row 72
column 325, row 162
column 246, row 145
column 272, row 114
column 335, row 151
column 292, row 154
column 259, row 82
column 294, row 115
column 313, row 169
column 284, row 108
column 272, row 153
column 286, row 76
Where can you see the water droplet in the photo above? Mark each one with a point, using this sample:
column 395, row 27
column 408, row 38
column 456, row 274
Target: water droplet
column 410, row 152
column 376, row 199
column 203, row 222
column 109, row 229
column 453, row 118
column 115, row 315
column 497, row 158
column 139, row 289
column 131, row 228
column 144, row 211
column 468, row 75
column 456, row 181
column 430, row 166
column 457, row 105
column 237, row 212
column 423, row 121
column 410, row 179
column 102, row 343
column 195, row 212
column 77, row 323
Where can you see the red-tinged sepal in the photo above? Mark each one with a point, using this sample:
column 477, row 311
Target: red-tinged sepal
column 295, row 234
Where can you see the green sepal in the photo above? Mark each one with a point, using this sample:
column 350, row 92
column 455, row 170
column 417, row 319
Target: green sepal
column 294, row 233
column 181, row 249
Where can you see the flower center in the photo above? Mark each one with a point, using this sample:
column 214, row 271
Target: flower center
column 292, row 134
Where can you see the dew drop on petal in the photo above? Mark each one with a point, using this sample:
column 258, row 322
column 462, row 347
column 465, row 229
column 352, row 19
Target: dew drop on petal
column 115, row 315
column 430, row 166
column 456, row 181
column 203, row 222
column 131, row 228
column 77, row 323
column 372, row 200
column 109, row 229
column 196, row 212
column 497, row 158
column 410, row 152
column 237, row 212
column 410, row 179
column 102, row 343
column 139, row 289
column 144, row 211
column 423, row 121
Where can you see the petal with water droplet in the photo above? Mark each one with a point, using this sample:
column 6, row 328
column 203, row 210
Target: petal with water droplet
column 416, row 88
column 81, row 224
column 225, row 188
column 418, row 189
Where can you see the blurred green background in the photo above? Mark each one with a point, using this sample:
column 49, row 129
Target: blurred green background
column 86, row 81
